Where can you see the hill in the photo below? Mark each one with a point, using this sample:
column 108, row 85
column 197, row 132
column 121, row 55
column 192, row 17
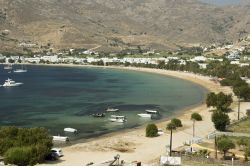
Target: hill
column 119, row 24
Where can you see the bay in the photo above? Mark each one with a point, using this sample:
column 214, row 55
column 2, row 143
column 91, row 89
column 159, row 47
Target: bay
column 59, row 97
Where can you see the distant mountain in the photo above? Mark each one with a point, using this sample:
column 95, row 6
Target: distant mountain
column 118, row 24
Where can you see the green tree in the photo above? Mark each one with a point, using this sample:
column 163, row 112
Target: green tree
column 242, row 92
column 161, row 65
column 151, row 130
column 224, row 144
column 211, row 99
column 176, row 122
column 221, row 101
column 11, row 61
column 220, row 120
column 172, row 126
column 195, row 117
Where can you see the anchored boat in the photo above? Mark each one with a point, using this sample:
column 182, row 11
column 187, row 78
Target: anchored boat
column 117, row 118
column 148, row 113
column 10, row 83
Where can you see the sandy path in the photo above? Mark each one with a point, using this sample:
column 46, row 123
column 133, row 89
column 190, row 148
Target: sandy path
column 138, row 147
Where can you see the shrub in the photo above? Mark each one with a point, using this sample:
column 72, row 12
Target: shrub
column 248, row 113
column 176, row 122
column 24, row 145
column 247, row 152
column 151, row 130
column 21, row 156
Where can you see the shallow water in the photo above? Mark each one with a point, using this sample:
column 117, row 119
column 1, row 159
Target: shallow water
column 59, row 97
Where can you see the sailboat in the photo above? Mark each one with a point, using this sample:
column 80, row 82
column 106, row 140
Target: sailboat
column 22, row 70
column 8, row 67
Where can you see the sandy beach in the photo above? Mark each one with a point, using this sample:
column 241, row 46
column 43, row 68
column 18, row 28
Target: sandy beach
column 132, row 145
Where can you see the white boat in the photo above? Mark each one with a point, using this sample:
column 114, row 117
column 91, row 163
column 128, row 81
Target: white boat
column 71, row 130
column 117, row 118
column 22, row 70
column 152, row 111
column 10, row 83
column 145, row 115
column 8, row 67
column 148, row 113
column 112, row 110
column 60, row 138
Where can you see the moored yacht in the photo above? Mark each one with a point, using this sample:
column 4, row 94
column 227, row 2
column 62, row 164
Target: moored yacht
column 9, row 82
column 117, row 118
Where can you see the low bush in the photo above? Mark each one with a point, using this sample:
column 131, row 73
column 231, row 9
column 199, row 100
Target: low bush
column 151, row 130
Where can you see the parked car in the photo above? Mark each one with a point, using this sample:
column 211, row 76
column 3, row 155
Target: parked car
column 52, row 156
column 160, row 132
column 57, row 151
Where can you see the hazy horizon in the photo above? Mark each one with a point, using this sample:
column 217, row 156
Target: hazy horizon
column 223, row 2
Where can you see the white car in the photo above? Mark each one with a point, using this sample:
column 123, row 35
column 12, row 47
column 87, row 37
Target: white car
column 57, row 151
column 160, row 132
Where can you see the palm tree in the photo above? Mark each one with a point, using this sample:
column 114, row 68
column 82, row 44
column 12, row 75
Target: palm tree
column 172, row 126
column 195, row 117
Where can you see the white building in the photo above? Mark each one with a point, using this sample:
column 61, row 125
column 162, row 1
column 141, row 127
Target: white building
column 52, row 59
column 32, row 60
column 199, row 59
column 202, row 65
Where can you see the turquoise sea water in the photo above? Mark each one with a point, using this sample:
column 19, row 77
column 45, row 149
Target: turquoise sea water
column 59, row 97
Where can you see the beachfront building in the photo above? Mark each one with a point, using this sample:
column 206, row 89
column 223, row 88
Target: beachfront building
column 32, row 60
column 51, row 59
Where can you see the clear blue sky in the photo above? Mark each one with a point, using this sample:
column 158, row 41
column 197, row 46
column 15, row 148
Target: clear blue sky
column 223, row 2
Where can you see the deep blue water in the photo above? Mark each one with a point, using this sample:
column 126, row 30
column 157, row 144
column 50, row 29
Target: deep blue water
column 59, row 97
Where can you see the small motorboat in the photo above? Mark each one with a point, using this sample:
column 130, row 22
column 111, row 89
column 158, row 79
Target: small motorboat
column 99, row 115
column 148, row 113
column 71, row 130
column 117, row 118
column 60, row 138
column 8, row 67
column 112, row 110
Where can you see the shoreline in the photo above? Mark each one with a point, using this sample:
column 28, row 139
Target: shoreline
column 104, row 147
column 178, row 113
column 132, row 141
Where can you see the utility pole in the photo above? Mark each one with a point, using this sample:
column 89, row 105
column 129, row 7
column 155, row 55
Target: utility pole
column 239, row 109
column 215, row 145
column 170, row 148
column 193, row 128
